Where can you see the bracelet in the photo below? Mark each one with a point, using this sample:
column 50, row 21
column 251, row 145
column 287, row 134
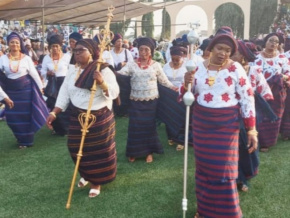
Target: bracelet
column 104, row 86
column 53, row 114
column 252, row 132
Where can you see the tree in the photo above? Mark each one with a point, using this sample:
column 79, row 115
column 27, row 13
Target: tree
column 231, row 15
column 166, row 25
column 120, row 27
column 282, row 19
column 148, row 22
column 262, row 16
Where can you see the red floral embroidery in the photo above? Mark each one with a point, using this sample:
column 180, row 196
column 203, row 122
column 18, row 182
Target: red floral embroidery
column 242, row 81
column 196, row 95
column 229, row 81
column 282, row 56
column 259, row 62
column 250, row 92
column 268, row 96
column 270, row 63
column 267, row 75
column 253, row 78
column 225, row 97
column 260, row 89
column 237, row 96
column 208, row 97
column 232, row 68
column 259, row 70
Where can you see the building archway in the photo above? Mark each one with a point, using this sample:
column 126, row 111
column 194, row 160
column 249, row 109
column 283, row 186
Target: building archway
column 209, row 6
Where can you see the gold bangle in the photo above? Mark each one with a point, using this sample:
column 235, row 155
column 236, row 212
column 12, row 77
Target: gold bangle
column 252, row 132
column 104, row 86
column 53, row 114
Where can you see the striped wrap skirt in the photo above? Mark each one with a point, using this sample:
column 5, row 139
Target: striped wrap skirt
column 216, row 144
column 98, row 164
column 268, row 130
column 29, row 112
column 142, row 132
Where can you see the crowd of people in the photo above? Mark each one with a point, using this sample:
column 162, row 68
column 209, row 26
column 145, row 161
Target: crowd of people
column 241, row 107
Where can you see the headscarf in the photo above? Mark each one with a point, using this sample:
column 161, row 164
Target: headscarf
column 245, row 51
column 116, row 37
column 280, row 38
column 178, row 50
column 204, row 44
column 224, row 35
column 76, row 36
column 149, row 42
column 55, row 39
column 287, row 45
column 252, row 46
column 14, row 35
column 86, row 80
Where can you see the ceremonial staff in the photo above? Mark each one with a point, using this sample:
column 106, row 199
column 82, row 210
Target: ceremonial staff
column 188, row 99
column 87, row 119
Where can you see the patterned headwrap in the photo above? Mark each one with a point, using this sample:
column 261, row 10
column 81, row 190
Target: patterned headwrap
column 245, row 51
column 224, row 35
column 178, row 50
column 116, row 37
column 149, row 42
column 76, row 36
column 55, row 39
column 14, row 35
column 280, row 37
column 86, row 80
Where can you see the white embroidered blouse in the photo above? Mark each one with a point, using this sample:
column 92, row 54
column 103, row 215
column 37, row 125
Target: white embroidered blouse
column 80, row 97
column 144, row 81
column 231, row 87
column 272, row 66
column 26, row 66
column 176, row 76
column 259, row 83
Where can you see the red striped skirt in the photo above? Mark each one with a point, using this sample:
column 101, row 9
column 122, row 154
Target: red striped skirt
column 98, row 164
column 216, row 143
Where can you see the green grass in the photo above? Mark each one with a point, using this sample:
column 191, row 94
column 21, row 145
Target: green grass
column 35, row 182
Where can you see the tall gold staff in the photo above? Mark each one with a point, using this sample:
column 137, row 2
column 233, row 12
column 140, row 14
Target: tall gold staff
column 87, row 119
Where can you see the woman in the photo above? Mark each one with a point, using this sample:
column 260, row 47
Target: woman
column 276, row 70
column 120, row 55
column 175, row 70
column 220, row 86
column 98, row 163
column 55, row 67
column 249, row 162
column 73, row 39
column 142, row 134
column 21, row 90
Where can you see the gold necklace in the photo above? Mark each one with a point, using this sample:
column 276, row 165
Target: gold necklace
column 268, row 55
column 211, row 79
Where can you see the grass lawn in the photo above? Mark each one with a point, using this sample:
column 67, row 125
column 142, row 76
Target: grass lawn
column 34, row 183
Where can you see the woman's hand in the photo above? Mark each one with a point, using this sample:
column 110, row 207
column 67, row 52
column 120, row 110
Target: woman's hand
column 9, row 102
column 50, row 73
column 98, row 77
column 252, row 143
column 49, row 121
column 188, row 77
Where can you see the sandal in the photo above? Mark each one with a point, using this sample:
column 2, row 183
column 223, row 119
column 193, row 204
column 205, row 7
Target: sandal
column 94, row 193
column 285, row 138
column 149, row 158
column 244, row 188
column 179, row 147
column 131, row 159
column 170, row 142
column 82, row 183
column 22, row 146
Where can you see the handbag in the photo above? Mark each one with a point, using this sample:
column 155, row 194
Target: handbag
column 51, row 87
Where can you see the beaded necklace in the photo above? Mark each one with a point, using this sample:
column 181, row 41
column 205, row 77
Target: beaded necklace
column 14, row 69
column 143, row 67
column 268, row 55
column 211, row 79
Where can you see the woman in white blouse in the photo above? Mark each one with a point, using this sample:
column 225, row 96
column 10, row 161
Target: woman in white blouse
column 20, row 88
column 145, row 73
column 55, row 66
column 98, row 163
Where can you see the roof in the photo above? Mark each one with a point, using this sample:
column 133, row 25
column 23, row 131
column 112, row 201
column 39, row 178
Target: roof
column 76, row 12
